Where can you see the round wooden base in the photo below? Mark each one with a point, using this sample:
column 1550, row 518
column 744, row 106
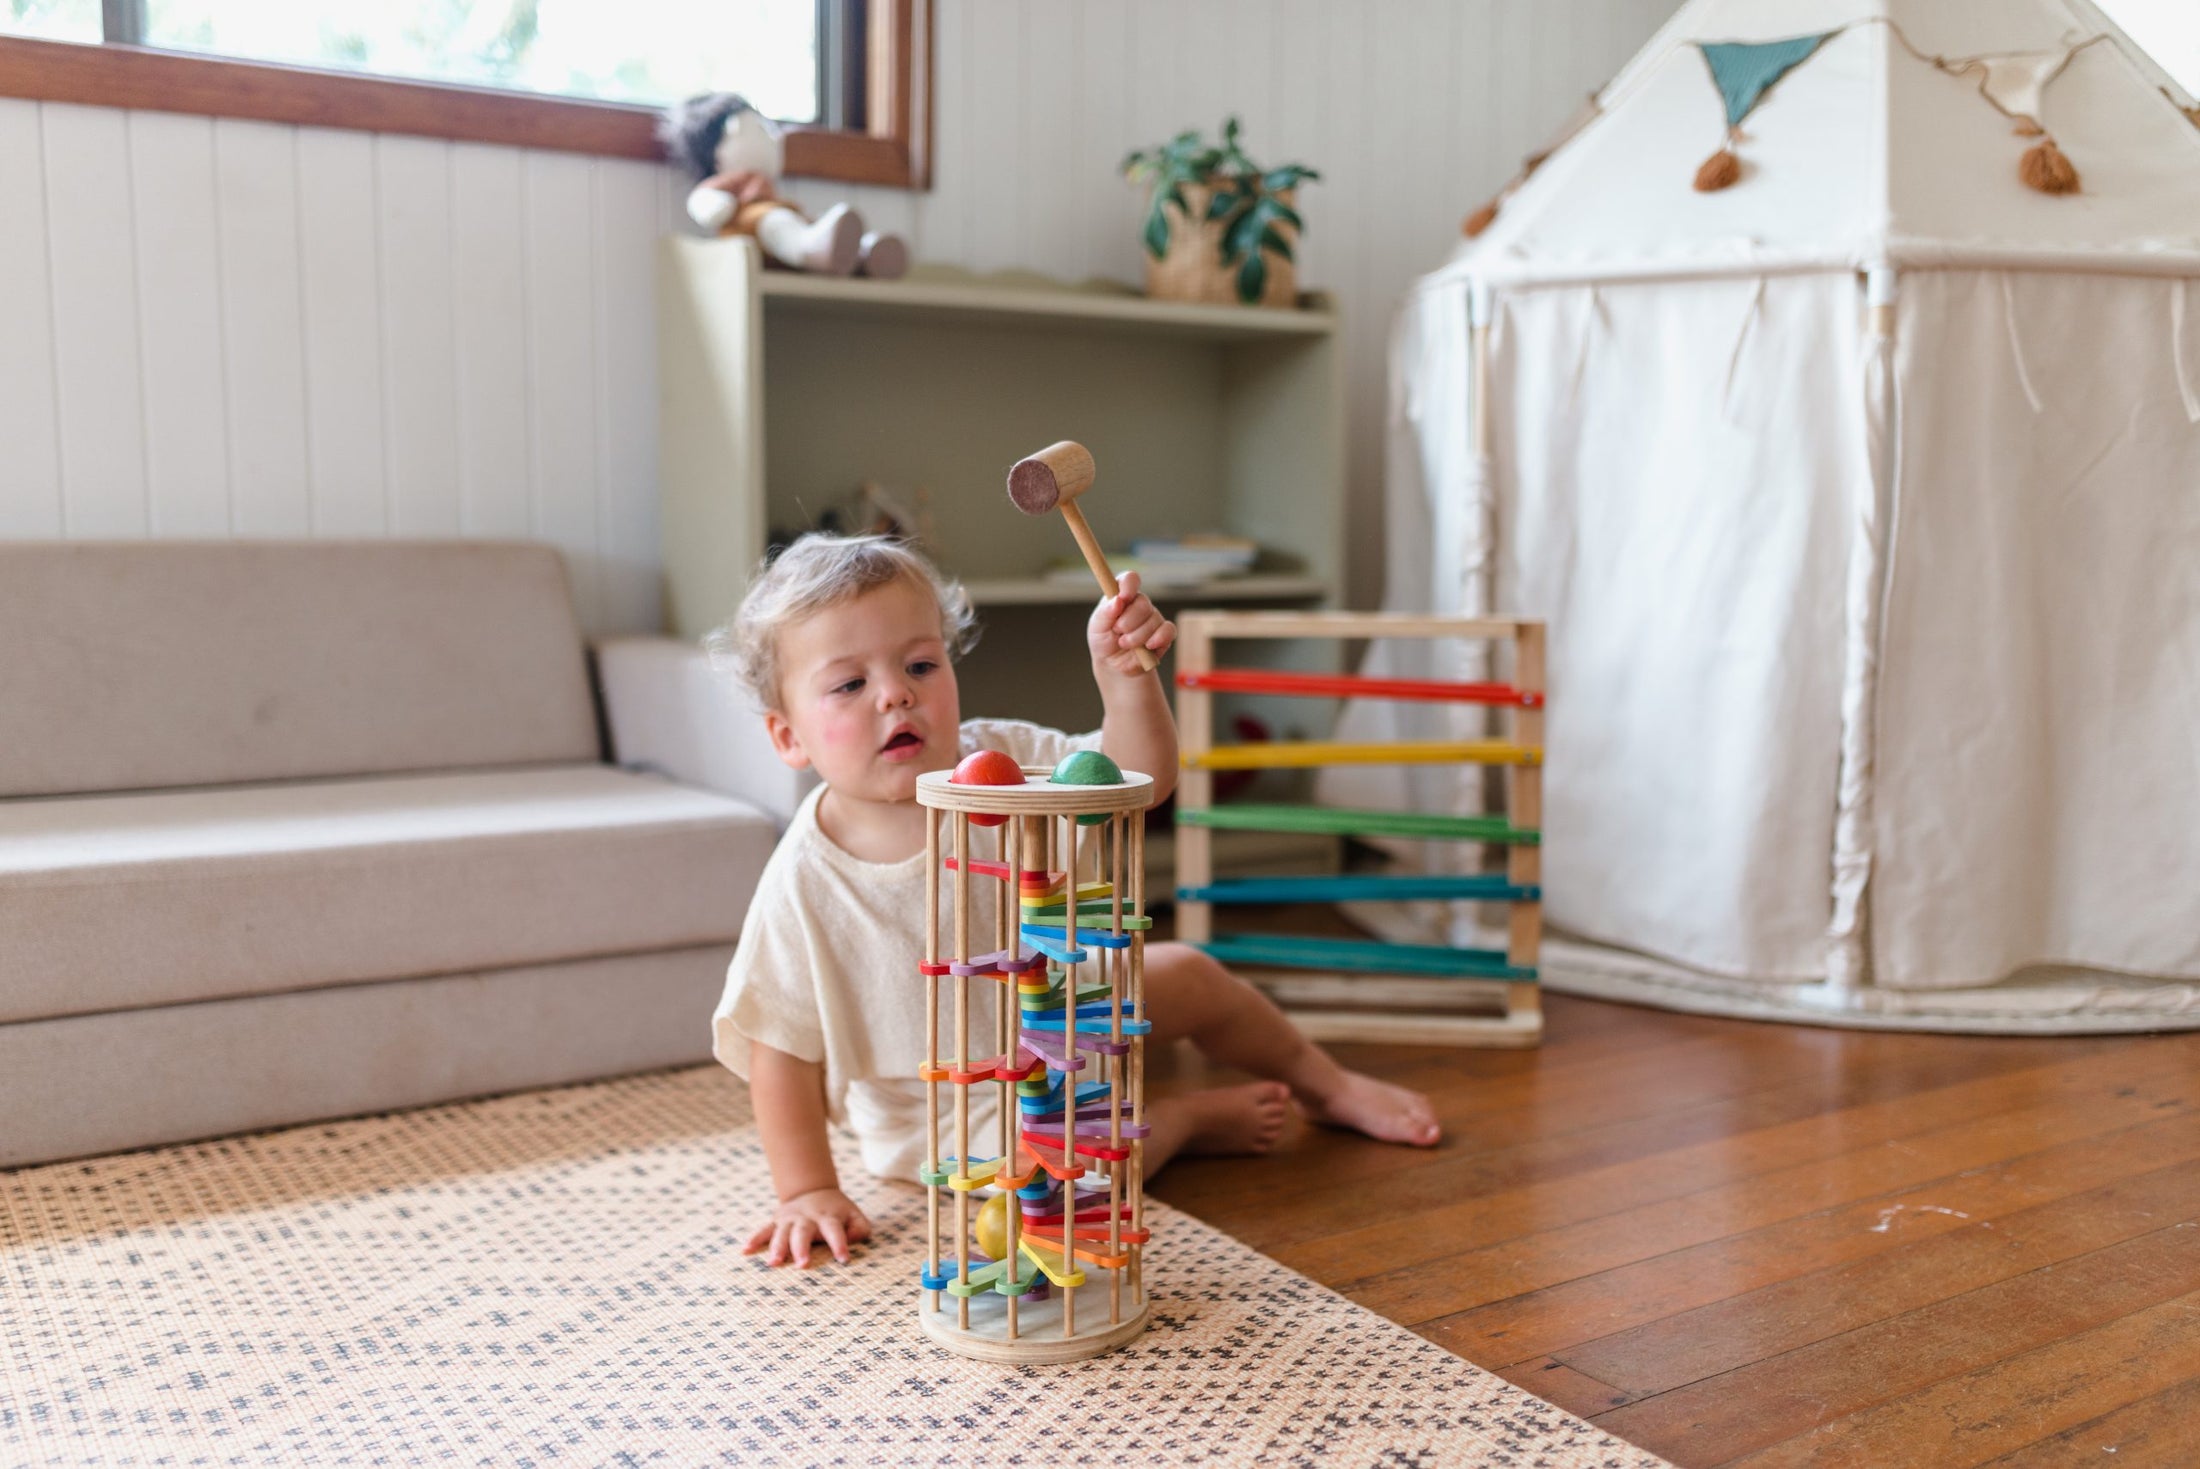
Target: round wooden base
column 1039, row 1340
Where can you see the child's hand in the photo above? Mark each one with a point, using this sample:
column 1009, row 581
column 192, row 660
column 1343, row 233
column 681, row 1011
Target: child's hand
column 1125, row 622
column 821, row 1216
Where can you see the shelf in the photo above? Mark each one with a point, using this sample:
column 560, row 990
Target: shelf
column 1038, row 591
column 783, row 393
column 1022, row 298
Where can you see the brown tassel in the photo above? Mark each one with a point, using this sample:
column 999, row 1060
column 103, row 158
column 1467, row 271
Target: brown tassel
column 2044, row 167
column 1722, row 170
column 1480, row 220
column 2026, row 128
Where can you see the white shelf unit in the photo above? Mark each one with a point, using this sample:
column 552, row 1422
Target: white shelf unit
column 782, row 393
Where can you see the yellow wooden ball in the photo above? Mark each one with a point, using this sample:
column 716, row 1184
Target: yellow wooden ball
column 990, row 1231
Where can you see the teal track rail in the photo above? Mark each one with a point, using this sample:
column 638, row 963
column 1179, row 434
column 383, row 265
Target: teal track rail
column 1278, row 951
column 1490, row 887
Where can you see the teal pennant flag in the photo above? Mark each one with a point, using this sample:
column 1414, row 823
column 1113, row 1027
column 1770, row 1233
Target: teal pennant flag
column 1743, row 72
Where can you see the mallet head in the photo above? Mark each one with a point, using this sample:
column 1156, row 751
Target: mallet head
column 1055, row 475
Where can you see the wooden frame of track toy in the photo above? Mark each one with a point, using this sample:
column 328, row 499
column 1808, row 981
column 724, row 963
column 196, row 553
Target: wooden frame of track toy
column 1362, row 990
column 1051, row 1268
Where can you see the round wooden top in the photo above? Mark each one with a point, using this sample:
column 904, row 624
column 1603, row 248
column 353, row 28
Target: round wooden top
column 1037, row 796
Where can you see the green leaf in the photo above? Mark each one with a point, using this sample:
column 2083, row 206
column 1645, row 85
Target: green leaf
column 1157, row 233
column 1270, row 240
column 1241, row 237
column 1252, row 278
column 1288, row 215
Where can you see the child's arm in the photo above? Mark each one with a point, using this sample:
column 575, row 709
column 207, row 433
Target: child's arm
column 1137, row 731
column 790, row 1114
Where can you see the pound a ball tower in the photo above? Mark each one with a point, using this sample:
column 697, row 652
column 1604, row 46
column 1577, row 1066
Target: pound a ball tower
column 1035, row 1220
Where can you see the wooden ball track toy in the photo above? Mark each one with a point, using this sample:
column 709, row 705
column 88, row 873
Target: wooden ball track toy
column 1351, row 989
column 1014, row 1280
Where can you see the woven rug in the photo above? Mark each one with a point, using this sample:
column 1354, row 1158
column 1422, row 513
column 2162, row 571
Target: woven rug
column 555, row 1278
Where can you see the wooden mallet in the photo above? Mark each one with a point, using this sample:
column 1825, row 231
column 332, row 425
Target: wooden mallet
column 1052, row 479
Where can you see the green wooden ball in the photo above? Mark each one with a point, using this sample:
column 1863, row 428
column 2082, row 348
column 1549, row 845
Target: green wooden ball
column 1088, row 768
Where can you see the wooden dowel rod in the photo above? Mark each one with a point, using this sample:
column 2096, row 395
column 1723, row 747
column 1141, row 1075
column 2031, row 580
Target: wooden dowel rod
column 932, row 1040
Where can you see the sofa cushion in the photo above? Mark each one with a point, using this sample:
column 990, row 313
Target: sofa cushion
column 135, row 665
column 122, row 901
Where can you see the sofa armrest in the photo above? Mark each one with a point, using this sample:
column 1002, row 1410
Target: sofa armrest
column 668, row 711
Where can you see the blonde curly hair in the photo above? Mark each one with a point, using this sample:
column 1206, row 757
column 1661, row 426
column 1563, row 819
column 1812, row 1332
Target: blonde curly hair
column 816, row 572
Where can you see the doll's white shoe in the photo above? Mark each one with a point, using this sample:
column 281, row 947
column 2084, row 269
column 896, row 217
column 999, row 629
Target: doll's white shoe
column 834, row 243
column 883, row 257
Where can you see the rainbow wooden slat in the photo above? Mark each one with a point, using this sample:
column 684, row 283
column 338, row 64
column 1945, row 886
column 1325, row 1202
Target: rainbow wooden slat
column 1492, row 887
column 1050, row 1159
column 1300, row 754
column 1051, row 1264
column 1084, row 1147
column 975, row 1175
column 1051, row 895
column 1053, row 946
column 1281, row 951
column 1000, row 870
column 1352, row 685
column 1089, row 1232
column 1347, row 822
column 1058, row 934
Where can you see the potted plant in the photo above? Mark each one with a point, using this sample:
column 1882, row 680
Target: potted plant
column 1219, row 227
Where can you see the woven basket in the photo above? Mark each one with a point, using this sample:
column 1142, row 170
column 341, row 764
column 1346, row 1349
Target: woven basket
column 1193, row 269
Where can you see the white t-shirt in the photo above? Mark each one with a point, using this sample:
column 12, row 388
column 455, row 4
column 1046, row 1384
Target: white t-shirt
column 826, row 971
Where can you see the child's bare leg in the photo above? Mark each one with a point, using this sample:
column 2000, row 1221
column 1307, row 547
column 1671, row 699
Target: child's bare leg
column 1220, row 1121
column 1191, row 996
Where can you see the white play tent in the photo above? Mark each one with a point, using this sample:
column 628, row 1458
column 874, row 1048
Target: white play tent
column 1863, row 500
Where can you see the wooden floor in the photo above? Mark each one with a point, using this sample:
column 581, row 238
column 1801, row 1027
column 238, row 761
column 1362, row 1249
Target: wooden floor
column 1735, row 1242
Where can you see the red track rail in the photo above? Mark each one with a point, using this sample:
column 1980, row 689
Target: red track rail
column 1350, row 685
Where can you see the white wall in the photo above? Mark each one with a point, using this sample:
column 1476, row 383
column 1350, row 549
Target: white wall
column 225, row 328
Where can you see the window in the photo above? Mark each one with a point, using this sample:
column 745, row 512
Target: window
column 850, row 76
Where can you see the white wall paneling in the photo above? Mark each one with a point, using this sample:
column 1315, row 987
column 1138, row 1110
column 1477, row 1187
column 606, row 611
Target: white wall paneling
column 99, row 395
column 489, row 272
column 626, row 206
column 262, row 327
column 419, row 346
column 340, row 277
column 238, row 328
column 30, row 463
column 561, row 344
column 178, row 249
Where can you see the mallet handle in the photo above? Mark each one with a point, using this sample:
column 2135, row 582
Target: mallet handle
column 1099, row 564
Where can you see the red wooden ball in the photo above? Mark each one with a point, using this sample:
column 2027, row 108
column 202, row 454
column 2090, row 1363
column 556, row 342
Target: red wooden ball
column 987, row 768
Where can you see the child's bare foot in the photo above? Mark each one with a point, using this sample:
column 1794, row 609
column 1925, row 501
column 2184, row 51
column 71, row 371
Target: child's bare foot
column 1387, row 1113
column 1229, row 1121
column 1223, row 1121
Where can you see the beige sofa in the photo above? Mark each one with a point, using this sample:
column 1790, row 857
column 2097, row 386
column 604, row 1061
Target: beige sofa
column 292, row 831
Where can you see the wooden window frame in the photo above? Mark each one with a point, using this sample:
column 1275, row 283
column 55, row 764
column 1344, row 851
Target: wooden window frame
column 894, row 150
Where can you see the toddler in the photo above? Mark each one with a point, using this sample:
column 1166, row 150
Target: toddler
column 848, row 645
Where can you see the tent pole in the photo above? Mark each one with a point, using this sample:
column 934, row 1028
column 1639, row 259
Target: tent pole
column 1848, row 960
column 1478, row 319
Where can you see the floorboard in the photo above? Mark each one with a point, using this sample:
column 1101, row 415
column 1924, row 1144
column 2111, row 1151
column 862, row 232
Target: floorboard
column 1734, row 1242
